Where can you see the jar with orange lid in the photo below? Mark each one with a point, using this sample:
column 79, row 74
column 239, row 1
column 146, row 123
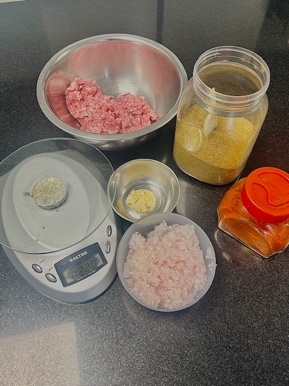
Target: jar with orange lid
column 255, row 210
column 220, row 114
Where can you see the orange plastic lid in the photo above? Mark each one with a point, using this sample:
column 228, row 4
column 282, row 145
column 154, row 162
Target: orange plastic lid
column 265, row 194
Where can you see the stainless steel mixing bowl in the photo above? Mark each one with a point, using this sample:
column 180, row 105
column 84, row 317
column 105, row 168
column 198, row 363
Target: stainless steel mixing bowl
column 119, row 63
column 143, row 174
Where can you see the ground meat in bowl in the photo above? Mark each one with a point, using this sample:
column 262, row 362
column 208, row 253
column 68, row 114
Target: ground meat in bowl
column 166, row 269
column 104, row 114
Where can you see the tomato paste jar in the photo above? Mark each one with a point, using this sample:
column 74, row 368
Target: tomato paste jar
column 255, row 210
column 220, row 114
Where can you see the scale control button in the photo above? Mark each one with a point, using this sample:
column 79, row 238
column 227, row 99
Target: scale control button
column 109, row 231
column 107, row 247
column 37, row 268
column 51, row 277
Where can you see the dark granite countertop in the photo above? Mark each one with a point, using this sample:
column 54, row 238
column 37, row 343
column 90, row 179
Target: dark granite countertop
column 238, row 334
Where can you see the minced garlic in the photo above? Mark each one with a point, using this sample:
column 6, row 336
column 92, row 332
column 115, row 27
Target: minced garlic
column 141, row 200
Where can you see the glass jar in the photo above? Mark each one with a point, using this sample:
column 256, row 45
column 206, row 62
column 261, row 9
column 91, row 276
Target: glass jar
column 220, row 114
column 255, row 210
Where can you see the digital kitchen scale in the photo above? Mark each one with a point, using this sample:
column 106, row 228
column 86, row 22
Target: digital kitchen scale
column 57, row 226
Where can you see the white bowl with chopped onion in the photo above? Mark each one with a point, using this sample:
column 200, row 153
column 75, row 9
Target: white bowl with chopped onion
column 166, row 262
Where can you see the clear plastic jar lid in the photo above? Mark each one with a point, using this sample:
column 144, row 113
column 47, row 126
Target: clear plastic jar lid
column 265, row 194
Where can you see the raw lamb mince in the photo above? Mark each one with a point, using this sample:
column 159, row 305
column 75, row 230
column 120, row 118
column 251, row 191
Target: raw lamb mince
column 167, row 268
column 104, row 114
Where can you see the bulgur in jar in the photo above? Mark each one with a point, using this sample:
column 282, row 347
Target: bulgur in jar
column 220, row 115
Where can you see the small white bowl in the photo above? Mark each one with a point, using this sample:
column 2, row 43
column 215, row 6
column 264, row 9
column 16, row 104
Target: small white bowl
column 146, row 174
column 148, row 224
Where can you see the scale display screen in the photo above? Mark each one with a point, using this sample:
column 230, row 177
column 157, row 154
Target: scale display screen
column 80, row 264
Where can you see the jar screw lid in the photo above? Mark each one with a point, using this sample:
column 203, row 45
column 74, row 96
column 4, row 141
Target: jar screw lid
column 265, row 194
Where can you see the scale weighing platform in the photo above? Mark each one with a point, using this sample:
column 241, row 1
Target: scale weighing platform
column 65, row 250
